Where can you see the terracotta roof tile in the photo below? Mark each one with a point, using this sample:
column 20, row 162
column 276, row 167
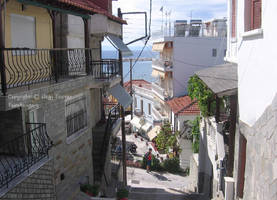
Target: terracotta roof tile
column 183, row 106
column 88, row 5
column 139, row 82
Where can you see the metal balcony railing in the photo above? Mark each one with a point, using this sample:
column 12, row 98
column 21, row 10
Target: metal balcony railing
column 25, row 67
column 21, row 153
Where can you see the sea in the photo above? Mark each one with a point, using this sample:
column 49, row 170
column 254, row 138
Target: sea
column 141, row 70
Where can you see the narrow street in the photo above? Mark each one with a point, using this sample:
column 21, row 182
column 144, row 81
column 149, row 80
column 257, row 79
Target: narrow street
column 157, row 186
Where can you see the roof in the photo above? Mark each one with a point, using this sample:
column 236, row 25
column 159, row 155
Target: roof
column 183, row 106
column 89, row 6
column 139, row 82
column 221, row 79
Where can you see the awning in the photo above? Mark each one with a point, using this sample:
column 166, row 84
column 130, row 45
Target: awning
column 146, row 127
column 159, row 46
column 156, row 73
column 119, row 45
column 136, row 122
column 121, row 95
column 154, row 132
column 221, row 79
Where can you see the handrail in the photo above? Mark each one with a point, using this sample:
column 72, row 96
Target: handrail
column 25, row 67
column 112, row 118
column 22, row 152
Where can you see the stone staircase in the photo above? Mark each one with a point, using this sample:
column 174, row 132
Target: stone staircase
column 98, row 154
column 161, row 194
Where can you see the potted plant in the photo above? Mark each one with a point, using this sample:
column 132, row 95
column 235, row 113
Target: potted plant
column 91, row 190
column 122, row 194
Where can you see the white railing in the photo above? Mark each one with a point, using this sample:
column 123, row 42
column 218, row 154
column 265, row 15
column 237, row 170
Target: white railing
column 143, row 91
column 200, row 31
column 158, row 91
column 162, row 65
column 158, row 114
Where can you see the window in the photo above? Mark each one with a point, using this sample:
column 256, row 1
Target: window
column 214, row 52
column 149, row 109
column 253, row 14
column 241, row 167
column 141, row 106
column 76, row 115
column 23, row 31
column 234, row 18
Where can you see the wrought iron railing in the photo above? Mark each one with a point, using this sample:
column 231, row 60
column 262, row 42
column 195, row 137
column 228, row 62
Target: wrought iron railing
column 76, row 122
column 104, row 69
column 113, row 116
column 19, row 154
column 25, row 67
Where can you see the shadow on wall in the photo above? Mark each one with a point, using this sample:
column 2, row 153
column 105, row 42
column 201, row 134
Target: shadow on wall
column 205, row 173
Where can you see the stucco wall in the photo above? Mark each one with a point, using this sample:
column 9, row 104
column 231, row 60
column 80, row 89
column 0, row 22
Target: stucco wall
column 256, row 63
column 188, row 53
column 146, row 100
column 76, row 33
column 42, row 19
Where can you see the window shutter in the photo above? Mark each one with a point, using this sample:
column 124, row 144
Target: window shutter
column 234, row 17
column 247, row 15
column 256, row 14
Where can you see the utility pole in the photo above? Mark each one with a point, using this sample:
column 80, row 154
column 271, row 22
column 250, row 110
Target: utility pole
column 169, row 23
column 123, row 136
column 166, row 14
column 131, row 86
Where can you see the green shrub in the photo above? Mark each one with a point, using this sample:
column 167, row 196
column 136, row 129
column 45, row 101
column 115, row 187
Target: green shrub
column 155, row 165
column 195, row 132
column 91, row 189
column 172, row 165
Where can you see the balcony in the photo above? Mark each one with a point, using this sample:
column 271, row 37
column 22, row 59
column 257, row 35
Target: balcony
column 158, row 91
column 162, row 65
column 143, row 91
column 30, row 67
column 158, row 114
column 20, row 154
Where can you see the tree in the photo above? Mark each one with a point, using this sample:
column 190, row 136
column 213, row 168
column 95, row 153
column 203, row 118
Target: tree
column 166, row 139
column 195, row 132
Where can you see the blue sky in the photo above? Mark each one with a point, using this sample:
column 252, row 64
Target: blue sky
column 180, row 9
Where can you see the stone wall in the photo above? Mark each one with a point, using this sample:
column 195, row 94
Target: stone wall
column 37, row 186
column 10, row 125
column 261, row 156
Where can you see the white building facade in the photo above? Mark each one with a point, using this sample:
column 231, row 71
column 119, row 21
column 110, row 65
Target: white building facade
column 194, row 46
column 251, row 35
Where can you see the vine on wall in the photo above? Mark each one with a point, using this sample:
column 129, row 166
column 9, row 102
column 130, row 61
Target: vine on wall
column 197, row 90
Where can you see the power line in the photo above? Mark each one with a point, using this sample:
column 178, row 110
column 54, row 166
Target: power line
column 150, row 21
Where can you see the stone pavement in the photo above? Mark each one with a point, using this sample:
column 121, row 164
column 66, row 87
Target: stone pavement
column 157, row 186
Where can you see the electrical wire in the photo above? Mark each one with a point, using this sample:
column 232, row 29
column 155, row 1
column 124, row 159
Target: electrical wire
column 147, row 40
